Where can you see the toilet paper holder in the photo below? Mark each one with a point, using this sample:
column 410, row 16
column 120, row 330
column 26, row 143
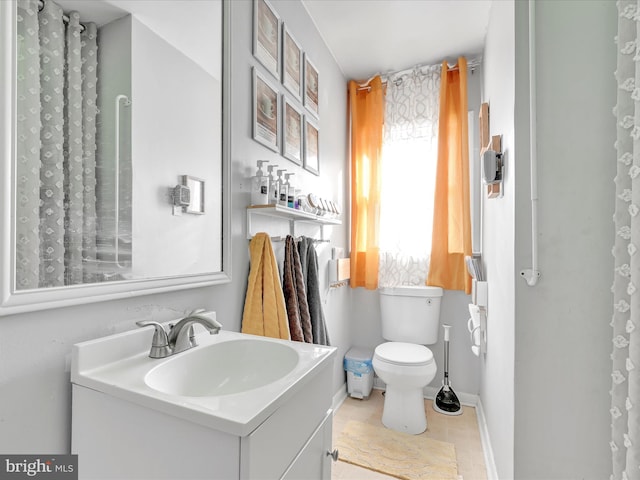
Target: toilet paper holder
column 477, row 326
column 479, row 293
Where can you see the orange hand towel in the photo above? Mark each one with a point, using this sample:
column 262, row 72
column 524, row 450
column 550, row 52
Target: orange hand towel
column 264, row 309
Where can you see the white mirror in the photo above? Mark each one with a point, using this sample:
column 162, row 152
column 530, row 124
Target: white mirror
column 107, row 106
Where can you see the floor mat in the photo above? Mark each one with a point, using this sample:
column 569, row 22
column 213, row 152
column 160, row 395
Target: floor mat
column 400, row 455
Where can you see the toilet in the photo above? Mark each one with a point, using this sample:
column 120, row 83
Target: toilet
column 410, row 320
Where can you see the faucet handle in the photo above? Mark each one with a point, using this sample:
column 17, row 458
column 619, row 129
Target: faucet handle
column 184, row 339
column 191, row 334
column 160, row 342
column 192, row 337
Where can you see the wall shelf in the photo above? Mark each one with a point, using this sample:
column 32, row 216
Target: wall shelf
column 293, row 216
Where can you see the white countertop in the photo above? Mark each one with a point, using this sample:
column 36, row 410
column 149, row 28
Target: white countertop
column 117, row 365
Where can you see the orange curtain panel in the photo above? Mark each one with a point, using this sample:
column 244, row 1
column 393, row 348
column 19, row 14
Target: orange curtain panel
column 367, row 117
column 451, row 238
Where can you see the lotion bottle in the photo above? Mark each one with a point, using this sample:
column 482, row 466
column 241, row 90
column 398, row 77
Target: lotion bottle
column 274, row 193
column 282, row 189
column 291, row 191
column 260, row 186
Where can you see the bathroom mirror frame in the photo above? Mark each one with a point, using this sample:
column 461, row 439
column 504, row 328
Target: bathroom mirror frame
column 17, row 301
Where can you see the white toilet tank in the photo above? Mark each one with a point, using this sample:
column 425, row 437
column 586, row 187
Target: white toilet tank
column 410, row 314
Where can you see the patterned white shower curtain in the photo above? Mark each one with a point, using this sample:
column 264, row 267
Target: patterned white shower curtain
column 410, row 143
column 625, row 391
column 56, row 147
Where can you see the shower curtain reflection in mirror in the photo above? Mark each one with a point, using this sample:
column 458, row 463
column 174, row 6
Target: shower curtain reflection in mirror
column 63, row 236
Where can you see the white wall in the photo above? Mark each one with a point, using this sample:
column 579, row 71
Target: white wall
column 173, row 134
column 546, row 374
column 146, row 56
column 562, row 336
column 164, row 17
column 333, row 153
column 35, row 393
column 497, row 387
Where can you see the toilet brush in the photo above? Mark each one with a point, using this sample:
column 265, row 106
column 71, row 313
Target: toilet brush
column 446, row 400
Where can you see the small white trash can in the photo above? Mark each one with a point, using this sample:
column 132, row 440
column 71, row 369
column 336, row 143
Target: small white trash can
column 359, row 367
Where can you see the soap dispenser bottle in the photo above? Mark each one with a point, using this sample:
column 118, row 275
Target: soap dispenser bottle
column 274, row 193
column 291, row 191
column 260, row 186
column 282, row 189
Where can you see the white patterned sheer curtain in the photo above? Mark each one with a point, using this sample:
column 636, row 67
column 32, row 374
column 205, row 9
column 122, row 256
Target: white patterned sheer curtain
column 409, row 158
column 625, row 391
column 56, row 147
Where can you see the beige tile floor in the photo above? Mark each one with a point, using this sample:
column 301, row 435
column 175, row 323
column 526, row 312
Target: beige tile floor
column 461, row 430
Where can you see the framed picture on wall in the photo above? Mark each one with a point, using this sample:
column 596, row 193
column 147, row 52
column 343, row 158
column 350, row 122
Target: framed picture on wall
column 311, row 86
column 291, row 64
column 292, row 123
column 266, row 36
column 311, row 146
column 266, row 112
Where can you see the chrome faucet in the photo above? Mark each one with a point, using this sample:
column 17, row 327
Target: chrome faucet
column 180, row 336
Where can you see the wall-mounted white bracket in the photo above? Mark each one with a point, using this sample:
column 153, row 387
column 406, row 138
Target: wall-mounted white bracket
column 531, row 276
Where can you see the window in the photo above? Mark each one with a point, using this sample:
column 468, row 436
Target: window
column 409, row 159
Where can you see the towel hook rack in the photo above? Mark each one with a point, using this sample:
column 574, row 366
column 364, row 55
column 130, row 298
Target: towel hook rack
column 292, row 216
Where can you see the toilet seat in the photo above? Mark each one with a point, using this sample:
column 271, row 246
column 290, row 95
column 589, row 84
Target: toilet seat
column 403, row 354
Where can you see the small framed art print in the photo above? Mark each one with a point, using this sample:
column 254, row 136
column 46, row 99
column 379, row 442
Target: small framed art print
column 311, row 86
column 291, row 64
column 292, row 123
column 266, row 36
column 266, row 112
column 311, row 147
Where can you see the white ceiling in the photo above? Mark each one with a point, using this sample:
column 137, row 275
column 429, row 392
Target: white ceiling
column 381, row 36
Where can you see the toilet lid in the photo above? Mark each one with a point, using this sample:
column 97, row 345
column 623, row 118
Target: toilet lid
column 400, row 353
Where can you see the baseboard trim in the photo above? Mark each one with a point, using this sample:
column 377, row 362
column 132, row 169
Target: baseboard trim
column 339, row 397
column 489, row 461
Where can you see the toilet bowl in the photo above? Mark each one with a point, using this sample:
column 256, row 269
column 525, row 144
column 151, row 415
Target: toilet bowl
column 406, row 369
column 410, row 318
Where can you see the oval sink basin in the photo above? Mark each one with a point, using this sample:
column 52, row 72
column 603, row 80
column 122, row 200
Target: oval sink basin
column 223, row 368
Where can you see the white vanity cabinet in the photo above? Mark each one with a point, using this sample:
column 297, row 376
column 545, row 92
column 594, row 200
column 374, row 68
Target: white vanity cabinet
column 119, row 439
column 272, row 447
column 314, row 460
